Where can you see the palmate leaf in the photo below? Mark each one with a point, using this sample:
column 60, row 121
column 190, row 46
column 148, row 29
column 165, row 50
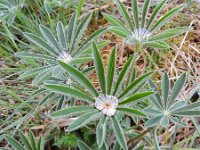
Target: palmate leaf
column 14, row 143
column 131, row 111
column 177, row 105
column 72, row 111
column 119, row 133
column 49, row 37
column 69, row 91
column 111, row 71
column 135, row 97
column 41, row 77
column 101, row 131
column 155, row 13
column 98, row 63
column 78, row 76
column 177, row 88
column 162, row 20
column 164, row 122
column 82, row 60
column 84, row 119
column 124, row 13
column 134, row 83
column 122, row 74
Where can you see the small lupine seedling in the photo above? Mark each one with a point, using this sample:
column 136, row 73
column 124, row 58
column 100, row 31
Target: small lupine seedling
column 9, row 9
column 140, row 30
column 166, row 108
column 103, row 104
column 68, row 45
column 31, row 144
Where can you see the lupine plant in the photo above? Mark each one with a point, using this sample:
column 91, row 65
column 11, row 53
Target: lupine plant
column 167, row 107
column 140, row 30
column 106, row 103
column 9, row 9
column 67, row 45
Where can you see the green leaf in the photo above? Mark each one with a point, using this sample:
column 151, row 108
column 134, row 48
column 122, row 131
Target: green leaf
column 49, row 37
column 168, row 34
column 36, row 56
column 45, row 99
column 124, row 13
column 25, row 141
column 177, row 87
column 71, row 29
column 83, row 146
column 162, row 20
column 82, row 60
column 111, row 70
column 135, row 13
column 178, row 105
column 155, row 13
column 188, row 113
column 119, row 133
column 40, row 42
column 122, row 74
column 135, row 97
column 132, row 111
column 69, row 91
column 115, row 21
column 14, row 143
column 165, row 88
column 144, row 12
column 153, row 122
column 33, row 72
column 61, row 35
column 41, row 77
column 134, row 83
column 72, row 111
column 152, row 112
column 119, row 31
column 101, row 131
column 84, row 119
column 164, row 122
column 32, row 140
column 188, row 107
column 80, row 77
column 98, row 63
column 157, row 44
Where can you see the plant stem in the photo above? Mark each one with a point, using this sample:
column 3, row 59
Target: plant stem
column 139, row 136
